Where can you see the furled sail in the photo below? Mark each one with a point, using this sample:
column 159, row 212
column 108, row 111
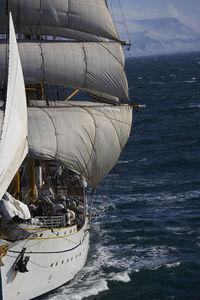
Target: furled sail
column 87, row 137
column 103, row 97
column 13, row 142
column 62, row 32
column 52, row 16
column 97, row 67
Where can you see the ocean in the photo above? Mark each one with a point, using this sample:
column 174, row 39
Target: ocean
column 145, row 238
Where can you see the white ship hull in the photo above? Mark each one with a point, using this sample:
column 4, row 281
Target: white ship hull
column 55, row 257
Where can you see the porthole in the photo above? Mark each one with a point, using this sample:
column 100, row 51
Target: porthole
column 62, row 262
column 70, row 231
column 64, row 232
column 41, row 234
column 71, row 258
column 51, row 265
column 56, row 263
column 57, row 234
column 68, row 260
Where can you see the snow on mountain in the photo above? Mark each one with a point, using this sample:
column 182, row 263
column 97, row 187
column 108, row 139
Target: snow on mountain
column 163, row 35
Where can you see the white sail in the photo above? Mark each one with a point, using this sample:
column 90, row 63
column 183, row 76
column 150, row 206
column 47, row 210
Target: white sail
column 32, row 16
column 88, row 138
column 13, row 143
column 97, row 67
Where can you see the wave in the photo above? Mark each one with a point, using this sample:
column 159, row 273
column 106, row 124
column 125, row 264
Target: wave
column 125, row 161
column 191, row 105
column 79, row 290
column 123, row 277
column 173, row 265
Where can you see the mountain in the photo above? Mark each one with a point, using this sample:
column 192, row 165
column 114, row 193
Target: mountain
column 163, row 35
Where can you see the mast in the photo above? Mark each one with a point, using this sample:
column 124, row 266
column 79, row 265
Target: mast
column 31, row 178
column 15, row 186
column 7, row 7
column 7, row 42
column 34, row 171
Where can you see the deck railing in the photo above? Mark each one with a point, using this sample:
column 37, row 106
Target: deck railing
column 50, row 221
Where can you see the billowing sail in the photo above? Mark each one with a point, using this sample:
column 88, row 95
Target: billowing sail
column 13, row 142
column 87, row 137
column 52, row 16
column 97, row 67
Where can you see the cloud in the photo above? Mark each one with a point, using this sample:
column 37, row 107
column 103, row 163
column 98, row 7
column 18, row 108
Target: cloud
column 185, row 17
column 133, row 10
column 174, row 12
column 131, row 14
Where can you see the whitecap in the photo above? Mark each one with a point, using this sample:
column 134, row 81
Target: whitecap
column 156, row 82
column 81, row 292
column 136, row 270
column 124, row 277
column 173, row 265
column 125, row 161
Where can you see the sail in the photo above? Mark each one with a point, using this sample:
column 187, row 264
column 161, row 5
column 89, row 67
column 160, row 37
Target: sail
column 97, row 67
column 13, row 142
column 103, row 97
column 87, row 137
column 51, row 16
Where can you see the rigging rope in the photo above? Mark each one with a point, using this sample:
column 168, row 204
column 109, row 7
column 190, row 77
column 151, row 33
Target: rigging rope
column 125, row 24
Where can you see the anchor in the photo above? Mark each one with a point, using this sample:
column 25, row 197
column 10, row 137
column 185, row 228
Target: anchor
column 21, row 262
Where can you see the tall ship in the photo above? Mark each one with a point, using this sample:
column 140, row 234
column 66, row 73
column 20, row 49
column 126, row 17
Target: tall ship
column 51, row 145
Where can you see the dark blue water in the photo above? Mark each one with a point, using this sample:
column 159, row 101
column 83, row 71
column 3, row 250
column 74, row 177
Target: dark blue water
column 145, row 243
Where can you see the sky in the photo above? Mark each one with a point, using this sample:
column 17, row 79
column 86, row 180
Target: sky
column 186, row 11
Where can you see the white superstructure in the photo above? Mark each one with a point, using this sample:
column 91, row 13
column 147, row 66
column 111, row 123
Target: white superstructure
column 55, row 256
